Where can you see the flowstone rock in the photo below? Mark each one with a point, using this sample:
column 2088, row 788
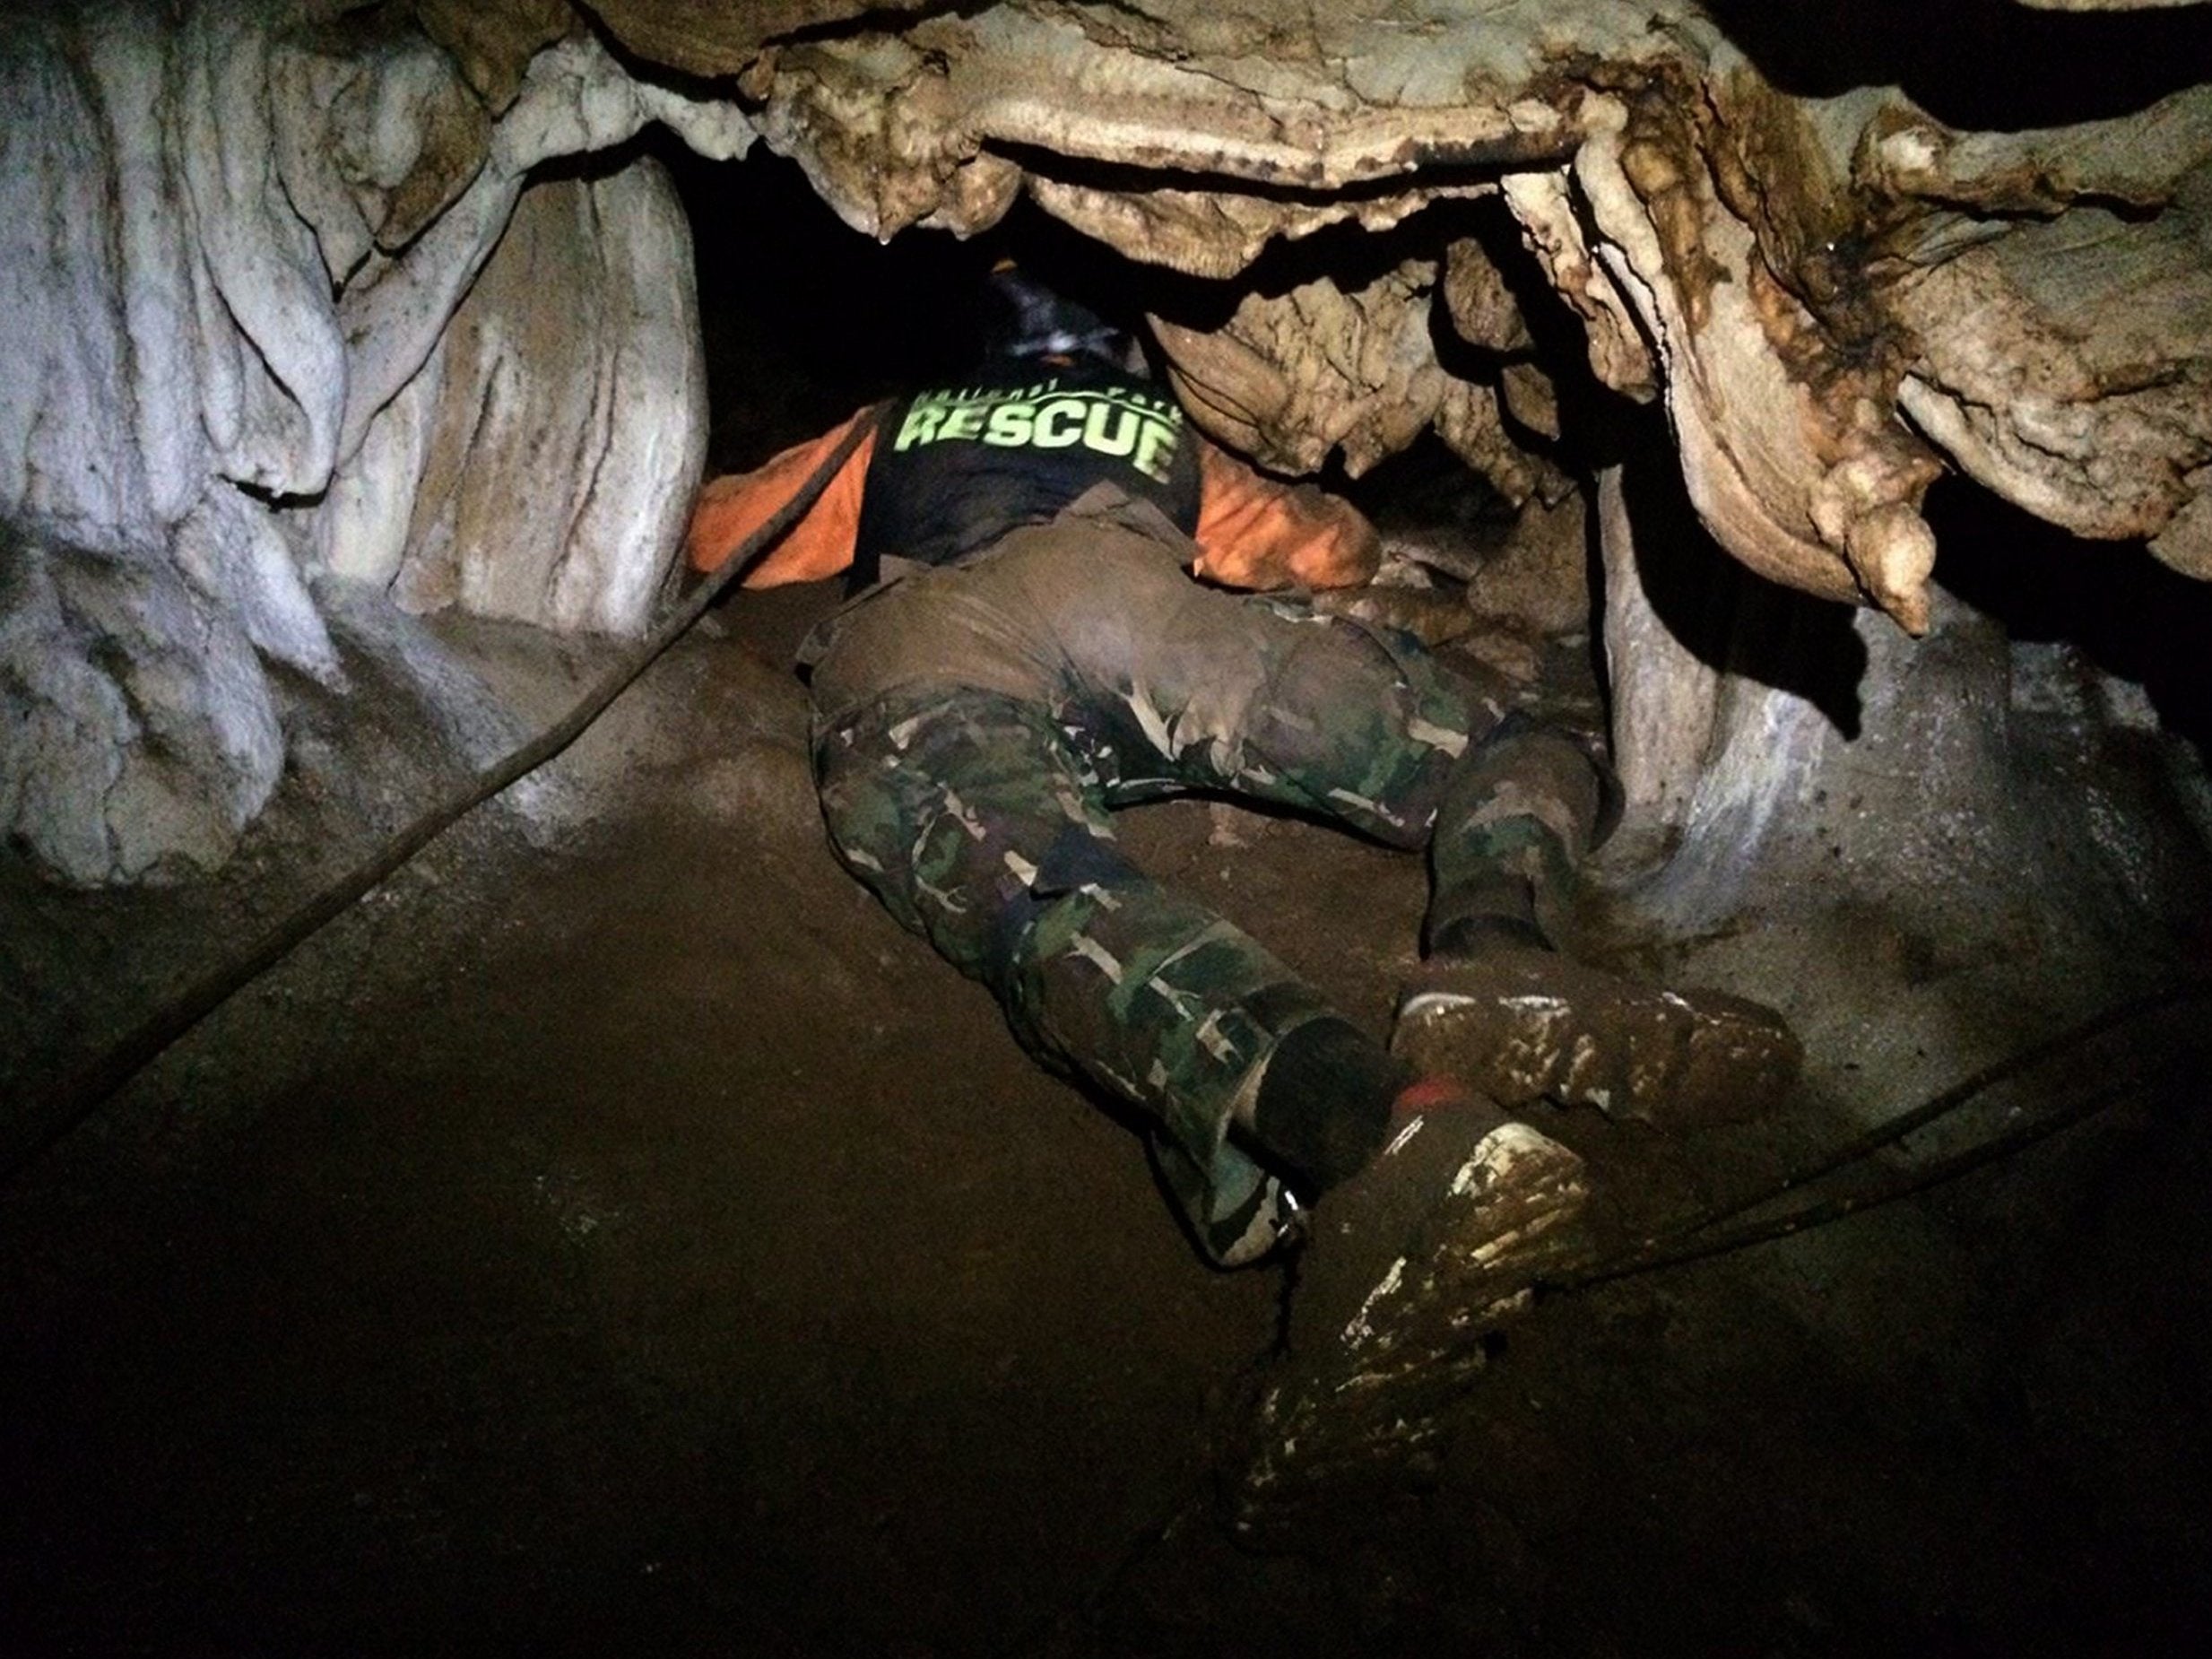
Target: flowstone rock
column 1291, row 380
column 556, row 433
column 232, row 236
column 142, row 734
column 237, row 236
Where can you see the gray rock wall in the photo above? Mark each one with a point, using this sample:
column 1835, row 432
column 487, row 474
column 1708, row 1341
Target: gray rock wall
column 557, row 432
column 234, row 236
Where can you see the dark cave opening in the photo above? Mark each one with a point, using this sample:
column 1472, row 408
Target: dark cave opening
column 2130, row 615
column 1992, row 64
column 805, row 319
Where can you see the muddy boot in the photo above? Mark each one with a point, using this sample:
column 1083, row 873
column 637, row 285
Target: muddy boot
column 1522, row 1022
column 1411, row 1267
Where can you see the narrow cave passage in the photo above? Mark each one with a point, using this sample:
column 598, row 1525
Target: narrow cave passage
column 612, row 1234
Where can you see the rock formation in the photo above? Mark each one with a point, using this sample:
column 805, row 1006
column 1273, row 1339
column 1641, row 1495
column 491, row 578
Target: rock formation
column 239, row 236
column 236, row 243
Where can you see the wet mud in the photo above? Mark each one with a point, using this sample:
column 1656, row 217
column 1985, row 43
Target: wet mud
column 616, row 1235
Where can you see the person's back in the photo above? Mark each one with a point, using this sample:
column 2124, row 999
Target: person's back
column 957, row 467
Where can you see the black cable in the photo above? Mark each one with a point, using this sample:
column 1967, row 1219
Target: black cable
column 1943, row 1104
column 1669, row 1244
column 1695, row 1248
column 1680, row 1243
column 32, row 1132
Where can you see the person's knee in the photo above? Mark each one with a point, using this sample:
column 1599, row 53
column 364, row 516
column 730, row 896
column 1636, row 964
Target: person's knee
column 1365, row 733
column 1081, row 863
column 946, row 808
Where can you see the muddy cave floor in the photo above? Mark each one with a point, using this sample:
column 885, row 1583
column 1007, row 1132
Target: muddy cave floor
column 615, row 1231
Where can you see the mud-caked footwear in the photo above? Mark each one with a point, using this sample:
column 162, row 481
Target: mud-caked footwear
column 1408, row 1270
column 1523, row 1024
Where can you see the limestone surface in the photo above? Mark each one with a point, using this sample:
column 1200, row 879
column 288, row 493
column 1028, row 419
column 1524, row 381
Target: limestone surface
column 237, row 237
column 234, row 239
column 542, row 459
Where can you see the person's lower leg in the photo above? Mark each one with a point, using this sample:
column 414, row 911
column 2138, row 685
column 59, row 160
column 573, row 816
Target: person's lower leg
column 1518, row 814
column 1498, row 1006
column 955, row 811
column 1160, row 1000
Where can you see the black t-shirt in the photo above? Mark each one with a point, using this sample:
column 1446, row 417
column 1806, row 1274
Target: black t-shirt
column 954, row 470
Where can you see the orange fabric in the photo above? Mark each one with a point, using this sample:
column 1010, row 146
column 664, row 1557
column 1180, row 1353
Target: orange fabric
column 821, row 544
column 1253, row 532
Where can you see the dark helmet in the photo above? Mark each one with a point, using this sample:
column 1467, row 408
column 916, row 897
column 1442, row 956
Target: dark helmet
column 1034, row 321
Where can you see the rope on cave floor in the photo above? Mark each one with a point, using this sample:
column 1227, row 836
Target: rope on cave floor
column 1692, row 1239
column 84, row 1091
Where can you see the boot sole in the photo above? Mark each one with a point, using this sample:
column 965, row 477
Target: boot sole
column 1653, row 1055
column 1475, row 1260
column 1363, row 1417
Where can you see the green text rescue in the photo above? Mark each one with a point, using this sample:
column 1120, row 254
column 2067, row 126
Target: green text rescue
column 1126, row 425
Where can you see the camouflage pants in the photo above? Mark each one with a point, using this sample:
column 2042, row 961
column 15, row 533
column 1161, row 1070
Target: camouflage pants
column 974, row 727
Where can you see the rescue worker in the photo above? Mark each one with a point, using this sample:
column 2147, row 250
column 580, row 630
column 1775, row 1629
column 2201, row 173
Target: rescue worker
column 1045, row 629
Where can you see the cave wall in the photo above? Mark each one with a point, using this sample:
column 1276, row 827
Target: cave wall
column 268, row 327
column 284, row 308
column 539, row 467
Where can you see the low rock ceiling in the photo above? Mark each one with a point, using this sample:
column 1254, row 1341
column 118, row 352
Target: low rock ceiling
column 1837, row 298
column 273, row 301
